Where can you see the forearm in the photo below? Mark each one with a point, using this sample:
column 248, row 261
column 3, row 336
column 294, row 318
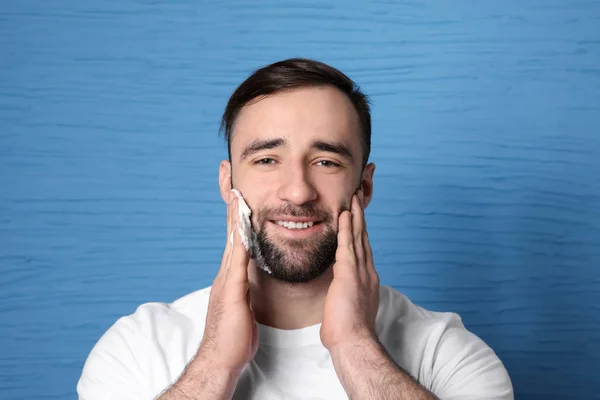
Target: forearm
column 201, row 382
column 367, row 372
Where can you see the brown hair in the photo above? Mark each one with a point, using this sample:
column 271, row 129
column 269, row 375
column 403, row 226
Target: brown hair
column 292, row 74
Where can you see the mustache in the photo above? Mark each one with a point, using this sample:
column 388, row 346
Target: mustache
column 306, row 211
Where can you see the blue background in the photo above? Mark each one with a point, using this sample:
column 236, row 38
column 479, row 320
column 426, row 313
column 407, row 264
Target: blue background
column 486, row 120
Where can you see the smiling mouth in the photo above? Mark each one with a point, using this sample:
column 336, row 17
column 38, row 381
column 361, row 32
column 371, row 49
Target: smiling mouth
column 297, row 225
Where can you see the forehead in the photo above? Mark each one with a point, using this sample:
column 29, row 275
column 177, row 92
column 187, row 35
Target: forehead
column 300, row 116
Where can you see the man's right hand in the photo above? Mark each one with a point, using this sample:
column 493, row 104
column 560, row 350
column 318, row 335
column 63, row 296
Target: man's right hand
column 230, row 338
column 231, row 334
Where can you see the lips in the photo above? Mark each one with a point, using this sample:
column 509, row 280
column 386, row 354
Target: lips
column 296, row 228
column 295, row 225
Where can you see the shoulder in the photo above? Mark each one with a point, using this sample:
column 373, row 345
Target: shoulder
column 398, row 312
column 160, row 323
column 147, row 348
column 156, row 319
column 437, row 349
column 403, row 324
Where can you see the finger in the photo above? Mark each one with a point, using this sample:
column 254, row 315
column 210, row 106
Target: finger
column 345, row 260
column 357, row 231
column 361, row 200
column 345, row 239
column 230, row 220
column 225, row 260
column 365, row 233
column 237, row 272
column 369, row 262
column 233, row 223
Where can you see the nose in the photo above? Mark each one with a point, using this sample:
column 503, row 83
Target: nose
column 296, row 187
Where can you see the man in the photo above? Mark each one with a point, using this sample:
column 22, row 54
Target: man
column 301, row 315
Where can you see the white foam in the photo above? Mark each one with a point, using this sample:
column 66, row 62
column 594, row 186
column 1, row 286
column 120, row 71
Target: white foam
column 244, row 227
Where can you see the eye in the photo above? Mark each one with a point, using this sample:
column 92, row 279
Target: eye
column 328, row 164
column 264, row 161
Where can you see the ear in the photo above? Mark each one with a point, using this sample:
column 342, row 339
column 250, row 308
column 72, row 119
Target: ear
column 225, row 180
column 366, row 184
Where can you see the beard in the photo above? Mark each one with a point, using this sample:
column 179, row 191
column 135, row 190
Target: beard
column 295, row 261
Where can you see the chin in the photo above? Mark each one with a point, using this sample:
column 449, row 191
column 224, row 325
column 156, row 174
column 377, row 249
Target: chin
column 294, row 259
column 297, row 275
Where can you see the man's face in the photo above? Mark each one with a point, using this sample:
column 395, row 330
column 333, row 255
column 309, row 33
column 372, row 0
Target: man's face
column 296, row 157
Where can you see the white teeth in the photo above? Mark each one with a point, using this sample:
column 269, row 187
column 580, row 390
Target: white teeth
column 295, row 225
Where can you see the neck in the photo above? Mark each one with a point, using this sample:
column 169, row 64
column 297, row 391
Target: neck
column 287, row 305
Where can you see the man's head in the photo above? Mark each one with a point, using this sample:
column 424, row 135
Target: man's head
column 299, row 137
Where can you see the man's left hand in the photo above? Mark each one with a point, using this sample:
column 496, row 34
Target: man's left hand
column 353, row 298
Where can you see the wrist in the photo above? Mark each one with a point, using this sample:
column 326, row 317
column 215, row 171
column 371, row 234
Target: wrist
column 356, row 362
column 203, row 380
column 353, row 348
column 207, row 359
column 203, row 364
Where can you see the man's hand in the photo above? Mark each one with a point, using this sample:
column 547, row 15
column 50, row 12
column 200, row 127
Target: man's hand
column 231, row 334
column 230, row 338
column 353, row 297
column 365, row 369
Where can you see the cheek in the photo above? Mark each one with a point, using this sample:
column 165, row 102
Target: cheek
column 257, row 194
column 341, row 203
column 335, row 212
column 258, row 220
column 259, row 217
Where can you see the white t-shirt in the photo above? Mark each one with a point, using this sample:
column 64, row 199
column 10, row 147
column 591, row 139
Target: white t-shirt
column 144, row 353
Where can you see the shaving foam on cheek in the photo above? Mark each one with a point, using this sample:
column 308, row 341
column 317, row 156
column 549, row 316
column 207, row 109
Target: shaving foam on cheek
column 244, row 227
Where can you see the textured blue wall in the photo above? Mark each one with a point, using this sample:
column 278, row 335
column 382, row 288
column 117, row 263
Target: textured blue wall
column 486, row 135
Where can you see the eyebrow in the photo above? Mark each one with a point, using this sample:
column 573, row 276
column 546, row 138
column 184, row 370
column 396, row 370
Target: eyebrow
column 259, row 145
column 333, row 147
column 266, row 144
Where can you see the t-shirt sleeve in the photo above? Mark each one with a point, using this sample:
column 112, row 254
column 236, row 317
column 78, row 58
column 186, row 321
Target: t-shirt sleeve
column 112, row 369
column 466, row 368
